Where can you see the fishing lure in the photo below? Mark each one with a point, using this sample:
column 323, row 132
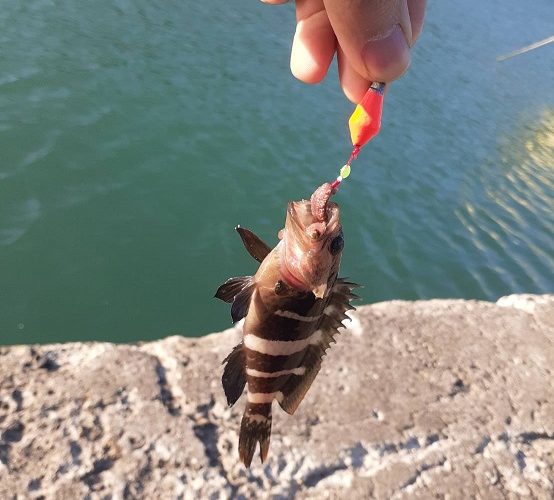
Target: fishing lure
column 364, row 125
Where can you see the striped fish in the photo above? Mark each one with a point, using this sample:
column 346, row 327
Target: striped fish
column 293, row 307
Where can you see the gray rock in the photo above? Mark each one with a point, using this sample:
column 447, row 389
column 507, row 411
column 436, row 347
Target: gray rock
column 445, row 398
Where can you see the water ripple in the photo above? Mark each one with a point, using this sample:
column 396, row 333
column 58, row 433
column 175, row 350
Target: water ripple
column 514, row 225
column 145, row 143
column 18, row 219
column 22, row 74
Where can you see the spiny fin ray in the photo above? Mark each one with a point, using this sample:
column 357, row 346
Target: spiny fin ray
column 329, row 324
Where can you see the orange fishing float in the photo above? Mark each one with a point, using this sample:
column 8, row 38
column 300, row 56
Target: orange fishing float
column 364, row 125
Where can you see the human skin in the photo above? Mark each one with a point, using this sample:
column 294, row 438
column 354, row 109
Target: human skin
column 372, row 40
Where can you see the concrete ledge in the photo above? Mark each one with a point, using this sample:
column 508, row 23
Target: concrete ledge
column 417, row 399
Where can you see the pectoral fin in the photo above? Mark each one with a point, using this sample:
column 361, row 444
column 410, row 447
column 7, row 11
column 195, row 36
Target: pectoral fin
column 232, row 287
column 240, row 306
column 239, row 292
column 254, row 245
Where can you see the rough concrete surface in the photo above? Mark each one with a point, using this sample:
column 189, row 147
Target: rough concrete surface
column 442, row 398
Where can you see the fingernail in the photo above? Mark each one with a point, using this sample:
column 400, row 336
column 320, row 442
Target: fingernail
column 388, row 58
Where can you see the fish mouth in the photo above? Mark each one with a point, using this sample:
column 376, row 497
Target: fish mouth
column 299, row 214
column 304, row 242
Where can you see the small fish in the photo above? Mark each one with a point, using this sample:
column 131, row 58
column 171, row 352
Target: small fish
column 294, row 306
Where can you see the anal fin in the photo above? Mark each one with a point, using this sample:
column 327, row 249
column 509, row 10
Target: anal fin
column 234, row 374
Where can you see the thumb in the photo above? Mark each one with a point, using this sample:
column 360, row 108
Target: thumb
column 374, row 35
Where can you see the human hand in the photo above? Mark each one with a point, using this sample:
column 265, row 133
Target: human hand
column 372, row 39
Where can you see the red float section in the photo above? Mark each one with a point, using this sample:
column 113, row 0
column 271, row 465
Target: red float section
column 365, row 121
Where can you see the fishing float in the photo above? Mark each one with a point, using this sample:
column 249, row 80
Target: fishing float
column 364, row 124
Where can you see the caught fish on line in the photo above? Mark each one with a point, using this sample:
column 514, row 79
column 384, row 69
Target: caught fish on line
column 293, row 307
column 295, row 303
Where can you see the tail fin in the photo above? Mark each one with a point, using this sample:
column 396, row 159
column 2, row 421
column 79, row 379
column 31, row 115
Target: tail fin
column 255, row 428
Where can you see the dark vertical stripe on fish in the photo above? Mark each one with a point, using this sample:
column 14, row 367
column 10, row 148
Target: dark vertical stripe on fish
column 267, row 384
column 267, row 363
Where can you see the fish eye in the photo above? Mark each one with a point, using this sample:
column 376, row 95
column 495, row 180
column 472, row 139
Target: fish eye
column 337, row 244
column 280, row 288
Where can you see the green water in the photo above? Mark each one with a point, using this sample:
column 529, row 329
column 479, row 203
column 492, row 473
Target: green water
column 135, row 135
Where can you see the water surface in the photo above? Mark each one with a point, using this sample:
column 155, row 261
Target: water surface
column 135, row 135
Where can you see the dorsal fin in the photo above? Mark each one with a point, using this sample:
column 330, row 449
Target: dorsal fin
column 339, row 303
column 254, row 245
column 234, row 374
